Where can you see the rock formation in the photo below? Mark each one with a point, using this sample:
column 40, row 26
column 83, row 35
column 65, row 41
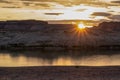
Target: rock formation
column 40, row 34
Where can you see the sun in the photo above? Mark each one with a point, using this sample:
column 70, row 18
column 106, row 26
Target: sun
column 81, row 26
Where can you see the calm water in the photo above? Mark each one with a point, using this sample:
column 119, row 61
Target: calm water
column 58, row 58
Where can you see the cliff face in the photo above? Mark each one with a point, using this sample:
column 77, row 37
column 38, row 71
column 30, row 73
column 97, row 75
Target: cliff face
column 110, row 26
column 39, row 33
column 24, row 25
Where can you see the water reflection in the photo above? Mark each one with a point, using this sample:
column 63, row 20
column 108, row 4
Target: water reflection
column 61, row 58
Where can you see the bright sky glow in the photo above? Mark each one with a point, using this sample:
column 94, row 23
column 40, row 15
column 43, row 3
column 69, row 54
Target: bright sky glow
column 95, row 10
column 81, row 26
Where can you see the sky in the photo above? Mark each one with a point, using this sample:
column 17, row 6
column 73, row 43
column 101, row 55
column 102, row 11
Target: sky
column 94, row 10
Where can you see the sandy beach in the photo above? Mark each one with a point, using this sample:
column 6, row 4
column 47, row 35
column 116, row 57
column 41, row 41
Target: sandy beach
column 60, row 73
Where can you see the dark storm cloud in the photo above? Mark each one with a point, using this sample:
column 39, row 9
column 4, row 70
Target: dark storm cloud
column 101, row 14
column 53, row 13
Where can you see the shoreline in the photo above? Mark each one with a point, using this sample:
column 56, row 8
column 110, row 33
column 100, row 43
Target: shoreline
column 60, row 73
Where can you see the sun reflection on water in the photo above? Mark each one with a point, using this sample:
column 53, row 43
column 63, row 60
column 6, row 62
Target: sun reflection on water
column 60, row 60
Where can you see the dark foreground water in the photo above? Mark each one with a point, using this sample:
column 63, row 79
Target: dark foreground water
column 59, row 58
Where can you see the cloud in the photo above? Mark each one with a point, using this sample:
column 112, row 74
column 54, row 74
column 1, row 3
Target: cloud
column 53, row 8
column 80, row 10
column 38, row 4
column 43, row 4
column 101, row 14
column 53, row 13
column 115, row 17
column 115, row 2
column 11, row 7
column 5, row 1
column 61, row 2
column 27, row 3
column 69, row 3
column 10, row 4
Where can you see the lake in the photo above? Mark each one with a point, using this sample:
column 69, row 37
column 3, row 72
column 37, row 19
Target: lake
column 59, row 58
